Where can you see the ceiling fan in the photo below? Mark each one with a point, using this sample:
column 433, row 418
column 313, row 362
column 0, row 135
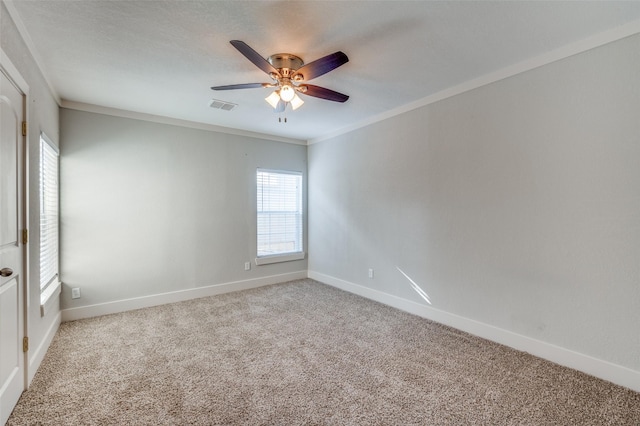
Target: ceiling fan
column 289, row 75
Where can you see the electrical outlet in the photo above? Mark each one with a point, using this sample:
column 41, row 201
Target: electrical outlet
column 247, row 266
column 75, row 293
column 370, row 272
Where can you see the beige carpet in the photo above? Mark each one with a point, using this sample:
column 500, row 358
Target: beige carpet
column 301, row 353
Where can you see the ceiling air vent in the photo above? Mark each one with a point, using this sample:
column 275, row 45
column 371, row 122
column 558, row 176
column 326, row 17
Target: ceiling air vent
column 225, row 106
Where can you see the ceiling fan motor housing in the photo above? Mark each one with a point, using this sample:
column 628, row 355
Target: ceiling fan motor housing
column 285, row 63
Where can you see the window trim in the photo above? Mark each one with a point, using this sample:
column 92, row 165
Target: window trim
column 288, row 256
column 277, row 258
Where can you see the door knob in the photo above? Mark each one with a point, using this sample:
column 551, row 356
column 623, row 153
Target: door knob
column 6, row 272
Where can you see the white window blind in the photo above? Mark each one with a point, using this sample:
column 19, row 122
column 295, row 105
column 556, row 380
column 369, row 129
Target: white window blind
column 48, row 214
column 279, row 212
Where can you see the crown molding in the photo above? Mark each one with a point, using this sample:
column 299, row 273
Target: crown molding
column 80, row 106
column 564, row 52
column 24, row 34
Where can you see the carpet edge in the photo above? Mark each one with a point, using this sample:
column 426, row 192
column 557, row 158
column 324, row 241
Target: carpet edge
column 117, row 306
column 614, row 373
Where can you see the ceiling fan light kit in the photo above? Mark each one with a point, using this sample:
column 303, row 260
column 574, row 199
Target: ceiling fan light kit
column 286, row 92
column 289, row 74
column 273, row 99
column 296, row 102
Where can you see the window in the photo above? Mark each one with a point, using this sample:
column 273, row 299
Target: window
column 279, row 208
column 48, row 217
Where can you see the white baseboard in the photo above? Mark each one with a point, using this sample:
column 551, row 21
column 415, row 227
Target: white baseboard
column 605, row 370
column 38, row 354
column 117, row 306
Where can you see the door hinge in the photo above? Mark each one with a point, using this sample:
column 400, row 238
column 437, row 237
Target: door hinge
column 25, row 344
column 25, row 236
column 24, row 128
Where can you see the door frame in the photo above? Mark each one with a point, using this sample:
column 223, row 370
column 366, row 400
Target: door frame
column 10, row 70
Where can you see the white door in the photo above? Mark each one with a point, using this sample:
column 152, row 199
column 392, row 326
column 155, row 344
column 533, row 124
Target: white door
column 12, row 377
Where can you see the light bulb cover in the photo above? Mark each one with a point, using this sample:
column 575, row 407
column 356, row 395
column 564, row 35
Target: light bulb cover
column 287, row 93
column 296, row 102
column 273, row 99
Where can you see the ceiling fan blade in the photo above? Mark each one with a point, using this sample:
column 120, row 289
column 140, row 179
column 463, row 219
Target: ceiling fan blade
column 321, row 66
column 242, row 86
column 281, row 106
column 323, row 93
column 254, row 57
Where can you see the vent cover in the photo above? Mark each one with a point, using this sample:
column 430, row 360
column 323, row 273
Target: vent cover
column 223, row 105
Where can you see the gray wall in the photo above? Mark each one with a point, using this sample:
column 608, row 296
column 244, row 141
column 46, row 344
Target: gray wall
column 42, row 116
column 516, row 204
column 150, row 208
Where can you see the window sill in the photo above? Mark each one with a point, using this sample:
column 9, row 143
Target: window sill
column 48, row 296
column 277, row 258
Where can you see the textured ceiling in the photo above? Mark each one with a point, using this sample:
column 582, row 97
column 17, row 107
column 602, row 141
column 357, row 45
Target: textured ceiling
column 162, row 57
